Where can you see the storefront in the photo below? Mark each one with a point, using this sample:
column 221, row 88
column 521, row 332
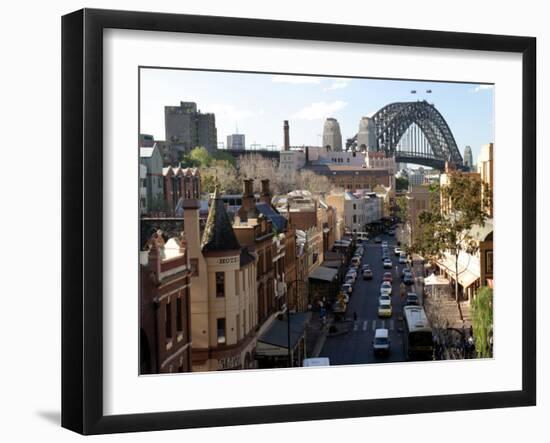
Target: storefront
column 272, row 346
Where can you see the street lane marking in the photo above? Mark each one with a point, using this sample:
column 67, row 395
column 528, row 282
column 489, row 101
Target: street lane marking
column 365, row 325
column 355, row 326
column 383, row 324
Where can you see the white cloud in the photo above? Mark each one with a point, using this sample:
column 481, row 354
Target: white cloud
column 295, row 79
column 337, row 84
column 229, row 112
column 319, row 110
column 482, row 88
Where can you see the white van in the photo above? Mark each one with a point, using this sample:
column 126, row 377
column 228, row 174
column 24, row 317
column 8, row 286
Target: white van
column 319, row 361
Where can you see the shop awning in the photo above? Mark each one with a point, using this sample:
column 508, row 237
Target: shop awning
column 467, row 275
column 274, row 341
column 323, row 273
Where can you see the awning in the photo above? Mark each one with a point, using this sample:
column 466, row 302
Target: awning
column 332, row 264
column 323, row 273
column 435, row 280
column 466, row 275
column 274, row 341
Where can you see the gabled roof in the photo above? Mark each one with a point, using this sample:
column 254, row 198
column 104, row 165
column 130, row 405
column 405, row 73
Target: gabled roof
column 146, row 152
column 218, row 232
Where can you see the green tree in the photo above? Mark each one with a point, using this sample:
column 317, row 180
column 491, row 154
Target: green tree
column 198, row 157
column 446, row 227
column 482, row 321
column 401, row 183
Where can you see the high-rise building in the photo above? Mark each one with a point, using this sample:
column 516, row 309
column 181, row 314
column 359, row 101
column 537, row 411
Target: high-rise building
column 366, row 135
column 468, row 158
column 332, row 137
column 236, row 141
column 186, row 125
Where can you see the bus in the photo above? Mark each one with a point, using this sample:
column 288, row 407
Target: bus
column 417, row 337
column 318, row 361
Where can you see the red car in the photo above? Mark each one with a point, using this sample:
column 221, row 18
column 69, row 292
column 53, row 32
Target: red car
column 387, row 277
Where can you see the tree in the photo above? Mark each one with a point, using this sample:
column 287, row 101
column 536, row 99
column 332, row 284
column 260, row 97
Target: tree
column 401, row 183
column 482, row 321
column 222, row 173
column 315, row 183
column 198, row 157
column 446, row 227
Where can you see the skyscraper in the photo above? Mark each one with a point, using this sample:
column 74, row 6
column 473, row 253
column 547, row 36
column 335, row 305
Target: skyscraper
column 332, row 137
column 186, row 125
column 468, row 159
column 236, row 141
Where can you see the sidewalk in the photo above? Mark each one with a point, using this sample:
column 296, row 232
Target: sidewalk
column 316, row 334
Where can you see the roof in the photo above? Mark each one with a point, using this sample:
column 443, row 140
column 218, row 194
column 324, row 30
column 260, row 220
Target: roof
column 246, row 257
column 270, row 213
column 277, row 334
column 146, row 151
column 218, row 232
column 324, row 273
column 329, row 169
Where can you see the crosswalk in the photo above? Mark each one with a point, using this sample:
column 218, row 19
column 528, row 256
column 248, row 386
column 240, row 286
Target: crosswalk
column 364, row 325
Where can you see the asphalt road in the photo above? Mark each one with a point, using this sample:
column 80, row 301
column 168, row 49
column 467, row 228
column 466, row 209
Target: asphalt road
column 355, row 347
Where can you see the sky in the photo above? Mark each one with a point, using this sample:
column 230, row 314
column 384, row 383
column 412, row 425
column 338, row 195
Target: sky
column 257, row 104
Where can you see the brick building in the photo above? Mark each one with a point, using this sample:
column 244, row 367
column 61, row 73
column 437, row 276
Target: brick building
column 180, row 183
column 165, row 326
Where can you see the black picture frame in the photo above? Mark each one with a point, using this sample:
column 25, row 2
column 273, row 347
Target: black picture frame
column 82, row 159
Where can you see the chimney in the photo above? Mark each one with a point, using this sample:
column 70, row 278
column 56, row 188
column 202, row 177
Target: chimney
column 266, row 193
column 248, row 203
column 287, row 136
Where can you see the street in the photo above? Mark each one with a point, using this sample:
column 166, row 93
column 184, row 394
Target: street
column 355, row 347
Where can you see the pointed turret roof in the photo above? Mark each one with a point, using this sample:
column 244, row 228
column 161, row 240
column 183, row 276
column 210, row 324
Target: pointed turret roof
column 218, row 232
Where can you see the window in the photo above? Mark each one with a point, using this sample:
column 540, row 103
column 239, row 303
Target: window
column 179, row 314
column 220, row 326
column 220, row 284
column 238, row 327
column 168, row 320
column 237, row 278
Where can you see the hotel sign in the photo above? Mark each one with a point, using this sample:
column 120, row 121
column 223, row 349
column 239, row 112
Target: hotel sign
column 227, row 260
column 229, row 362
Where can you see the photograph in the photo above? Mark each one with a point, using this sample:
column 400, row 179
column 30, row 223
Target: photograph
column 292, row 221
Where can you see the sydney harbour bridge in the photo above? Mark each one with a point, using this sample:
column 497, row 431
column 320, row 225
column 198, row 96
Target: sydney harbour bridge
column 413, row 132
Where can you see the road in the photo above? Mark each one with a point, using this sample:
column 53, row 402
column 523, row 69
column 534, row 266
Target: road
column 355, row 347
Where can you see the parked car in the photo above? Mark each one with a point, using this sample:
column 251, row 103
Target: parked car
column 356, row 261
column 384, row 244
column 366, row 266
column 377, row 240
column 404, row 271
column 387, row 277
column 381, row 343
column 391, row 232
column 387, row 263
column 350, row 276
column 397, row 250
column 408, row 279
column 367, row 274
column 402, row 258
column 412, row 299
column 347, row 288
column 384, row 309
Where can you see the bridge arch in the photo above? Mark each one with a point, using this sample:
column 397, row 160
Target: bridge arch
column 414, row 132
